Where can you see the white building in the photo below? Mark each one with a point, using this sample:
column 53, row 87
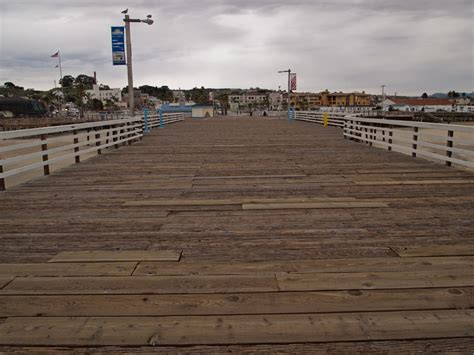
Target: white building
column 104, row 95
column 247, row 99
column 418, row 105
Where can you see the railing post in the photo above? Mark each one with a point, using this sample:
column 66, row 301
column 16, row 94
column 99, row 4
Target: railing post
column 77, row 157
column 415, row 140
column 145, row 120
column 129, row 134
column 44, row 148
column 161, row 118
column 450, row 144
column 97, row 143
column 390, row 135
column 2, row 180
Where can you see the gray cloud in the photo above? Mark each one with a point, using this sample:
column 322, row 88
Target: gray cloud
column 410, row 45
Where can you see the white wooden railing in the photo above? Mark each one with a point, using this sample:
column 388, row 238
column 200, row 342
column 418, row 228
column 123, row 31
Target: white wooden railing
column 333, row 119
column 158, row 119
column 22, row 151
column 449, row 143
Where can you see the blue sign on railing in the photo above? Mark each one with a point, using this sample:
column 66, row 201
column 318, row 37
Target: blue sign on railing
column 118, row 45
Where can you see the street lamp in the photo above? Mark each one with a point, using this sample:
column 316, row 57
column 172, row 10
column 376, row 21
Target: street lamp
column 289, row 87
column 128, row 20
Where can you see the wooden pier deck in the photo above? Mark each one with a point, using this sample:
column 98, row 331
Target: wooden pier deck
column 244, row 235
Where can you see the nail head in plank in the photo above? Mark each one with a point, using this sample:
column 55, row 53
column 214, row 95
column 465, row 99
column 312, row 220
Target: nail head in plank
column 69, row 269
column 141, row 284
column 248, row 329
column 235, row 303
column 122, row 255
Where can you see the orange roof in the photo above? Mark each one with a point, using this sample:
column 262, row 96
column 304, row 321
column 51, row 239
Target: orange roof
column 421, row 102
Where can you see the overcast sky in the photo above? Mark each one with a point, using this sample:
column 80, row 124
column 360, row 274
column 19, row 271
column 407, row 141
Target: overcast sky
column 412, row 46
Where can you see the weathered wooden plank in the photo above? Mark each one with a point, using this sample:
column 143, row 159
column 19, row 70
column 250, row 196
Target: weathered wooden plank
column 141, row 284
column 68, row 269
column 4, row 280
column 119, row 255
column 236, row 201
column 313, row 205
column 256, row 329
column 307, row 266
column 374, row 280
column 434, row 250
column 236, row 303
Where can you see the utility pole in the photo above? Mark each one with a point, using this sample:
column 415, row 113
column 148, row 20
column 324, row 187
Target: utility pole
column 289, row 84
column 128, row 39
column 383, row 97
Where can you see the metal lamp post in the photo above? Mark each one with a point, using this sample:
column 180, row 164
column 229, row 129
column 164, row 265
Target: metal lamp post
column 128, row 39
column 383, row 98
column 289, row 88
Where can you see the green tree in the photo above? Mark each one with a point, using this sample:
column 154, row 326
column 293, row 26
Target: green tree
column 224, row 103
column 200, row 96
column 67, row 81
column 85, row 80
column 95, row 104
column 10, row 85
column 424, row 96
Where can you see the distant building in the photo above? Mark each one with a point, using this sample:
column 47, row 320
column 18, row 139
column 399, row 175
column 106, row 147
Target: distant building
column 202, row 111
column 104, row 95
column 343, row 99
column 313, row 101
column 247, row 100
column 418, row 104
column 276, row 101
column 179, row 96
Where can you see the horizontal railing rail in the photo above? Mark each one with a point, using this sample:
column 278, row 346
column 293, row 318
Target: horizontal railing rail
column 448, row 143
column 24, row 150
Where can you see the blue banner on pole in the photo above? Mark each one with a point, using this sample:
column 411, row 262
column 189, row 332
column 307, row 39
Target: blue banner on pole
column 118, row 45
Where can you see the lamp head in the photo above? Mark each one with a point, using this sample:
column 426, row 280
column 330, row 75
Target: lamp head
column 148, row 21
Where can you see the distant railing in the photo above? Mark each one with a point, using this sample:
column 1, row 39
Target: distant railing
column 333, row 119
column 449, row 143
column 160, row 119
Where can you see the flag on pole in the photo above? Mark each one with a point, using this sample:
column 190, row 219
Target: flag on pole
column 293, row 81
column 55, row 55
